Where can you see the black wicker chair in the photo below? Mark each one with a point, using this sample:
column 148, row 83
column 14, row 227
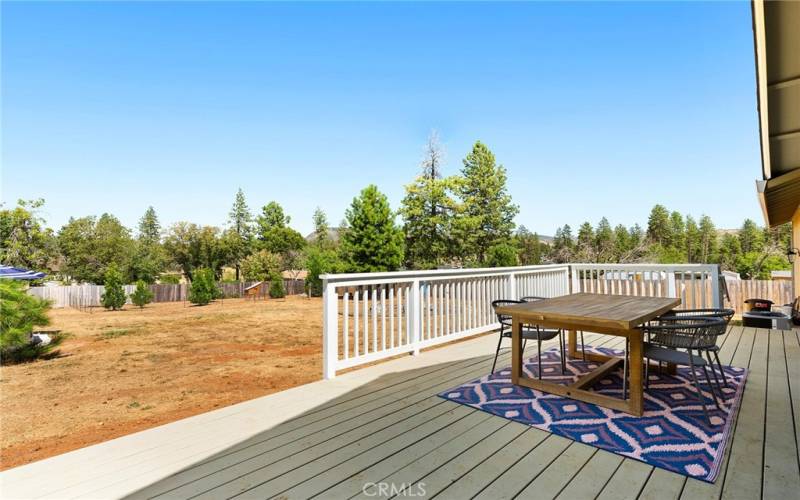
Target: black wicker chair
column 666, row 339
column 724, row 314
column 528, row 333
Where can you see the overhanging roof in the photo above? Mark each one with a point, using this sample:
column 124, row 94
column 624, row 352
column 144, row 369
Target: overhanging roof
column 776, row 30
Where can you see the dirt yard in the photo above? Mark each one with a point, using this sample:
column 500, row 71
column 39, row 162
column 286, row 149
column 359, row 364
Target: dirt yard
column 125, row 371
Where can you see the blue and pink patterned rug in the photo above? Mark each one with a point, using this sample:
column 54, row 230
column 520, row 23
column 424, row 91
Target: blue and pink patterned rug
column 672, row 434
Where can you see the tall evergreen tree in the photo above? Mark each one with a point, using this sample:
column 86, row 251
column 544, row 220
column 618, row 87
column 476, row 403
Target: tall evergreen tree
column 658, row 226
column 321, row 228
column 529, row 247
column 372, row 241
column 604, row 241
column 585, row 243
column 274, row 233
column 486, row 215
column 751, row 239
column 149, row 227
column 677, row 230
column 239, row 237
column 427, row 212
column 708, row 239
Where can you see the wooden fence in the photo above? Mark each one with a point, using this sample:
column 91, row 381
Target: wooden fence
column 87, row 295
column 778, row 291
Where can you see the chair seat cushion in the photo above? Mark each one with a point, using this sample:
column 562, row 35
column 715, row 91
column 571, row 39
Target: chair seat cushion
column 673, row 356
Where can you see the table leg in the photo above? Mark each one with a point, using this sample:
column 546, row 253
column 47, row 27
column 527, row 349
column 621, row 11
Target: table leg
column 572, row 341
column 516, row 351
column 636, row 401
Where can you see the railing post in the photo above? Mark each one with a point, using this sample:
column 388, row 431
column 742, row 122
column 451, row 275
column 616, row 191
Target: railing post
column 330, row 329
column 672, row 289
column 575, row 284
column 416, row 316
column 512, row 286
column 716, row 290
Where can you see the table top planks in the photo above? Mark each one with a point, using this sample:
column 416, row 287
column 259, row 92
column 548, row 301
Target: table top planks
column 589, row 310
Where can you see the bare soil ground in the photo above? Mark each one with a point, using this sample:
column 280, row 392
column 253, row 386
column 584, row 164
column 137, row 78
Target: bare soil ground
column 125, row 371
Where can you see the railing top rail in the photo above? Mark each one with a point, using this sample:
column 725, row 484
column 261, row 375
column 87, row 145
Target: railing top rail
column 439, row 273
column 646, row 267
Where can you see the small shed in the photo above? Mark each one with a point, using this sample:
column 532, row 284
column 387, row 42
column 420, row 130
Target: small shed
column 258, row 289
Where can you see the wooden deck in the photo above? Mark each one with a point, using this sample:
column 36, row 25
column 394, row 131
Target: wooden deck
column 385, row 424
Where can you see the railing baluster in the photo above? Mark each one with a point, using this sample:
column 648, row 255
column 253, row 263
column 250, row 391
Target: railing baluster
column 383, row 318
column 346, row 304
column 355, row 322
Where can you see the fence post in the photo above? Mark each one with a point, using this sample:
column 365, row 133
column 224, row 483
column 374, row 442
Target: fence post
column 512, row 286
column 716, row 290
column 416, row 316
column 330, row 330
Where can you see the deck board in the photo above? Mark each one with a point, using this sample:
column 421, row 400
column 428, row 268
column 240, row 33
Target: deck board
column 395, row 430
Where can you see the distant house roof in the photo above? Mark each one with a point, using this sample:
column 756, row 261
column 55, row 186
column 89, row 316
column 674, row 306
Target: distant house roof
column 254, row 285
column 294, row 274
column 785, row 275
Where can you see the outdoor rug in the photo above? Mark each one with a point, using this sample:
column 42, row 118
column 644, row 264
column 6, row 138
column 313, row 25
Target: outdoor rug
column 672, row 434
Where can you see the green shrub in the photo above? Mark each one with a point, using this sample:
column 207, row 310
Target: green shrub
column 501, row 255
column 203, row 289
column 19, row 314
column 142, row 295
column 276, row 288
column 114, row 297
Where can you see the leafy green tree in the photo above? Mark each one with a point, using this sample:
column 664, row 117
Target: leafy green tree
column 142, row 295
column 372, row 242
column 274, row 234
column 260, row 265
column 730, row 251
column 486, row 215
column 276, row 288
column 89, row 246
column 239, row 236
column 319, row 261
column 24, row 240
column 622, row 244
column 114, row 294
column 191, row 247
column 658, row 226
column 203, row 288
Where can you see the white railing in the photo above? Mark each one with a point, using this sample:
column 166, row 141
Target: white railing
column 373, row 316
column 697, row 285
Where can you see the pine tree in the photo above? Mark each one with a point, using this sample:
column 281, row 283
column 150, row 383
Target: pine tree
column 142, row 295
column 692, row 240
column 708, row 239
column 321, row 228
column 203, row 288
column 114, row 294
column 274, row 233
column 585, row 243
column 241, row 223
column 658, row 226
column 486, row 215
column 427, row 212
column 604, row 241
column 751, row 239
column 372, row 241
column 677, row 231
column 529, row 247
column 149, row 227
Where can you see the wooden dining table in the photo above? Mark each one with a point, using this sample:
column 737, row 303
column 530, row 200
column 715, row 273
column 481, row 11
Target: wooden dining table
column 619, row 315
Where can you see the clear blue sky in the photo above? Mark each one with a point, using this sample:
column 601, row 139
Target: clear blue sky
column 594, row 109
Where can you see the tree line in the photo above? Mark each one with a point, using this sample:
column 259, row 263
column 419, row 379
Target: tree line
column 462, row 220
